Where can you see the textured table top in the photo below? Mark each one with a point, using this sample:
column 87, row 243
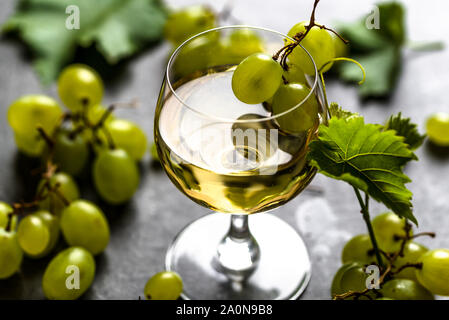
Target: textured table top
column 143, row 229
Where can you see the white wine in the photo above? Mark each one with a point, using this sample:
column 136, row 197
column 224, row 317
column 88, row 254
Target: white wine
column 245, row 165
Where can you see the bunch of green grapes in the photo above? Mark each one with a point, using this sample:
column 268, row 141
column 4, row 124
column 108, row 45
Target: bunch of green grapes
column 65, row 142
column 427, row 273
column 282, row 85
column 83, row 225
column 118, row 144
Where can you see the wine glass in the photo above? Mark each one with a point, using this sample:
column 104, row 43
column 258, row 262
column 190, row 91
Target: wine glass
column 235, row 159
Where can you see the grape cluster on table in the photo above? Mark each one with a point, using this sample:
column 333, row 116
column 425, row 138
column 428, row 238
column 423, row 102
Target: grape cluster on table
column 65, row 141
column 422, row 283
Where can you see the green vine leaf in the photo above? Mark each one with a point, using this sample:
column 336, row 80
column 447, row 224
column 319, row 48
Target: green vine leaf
column 366, row 157
column 405, row 128
column 378, row 50
column 338, row 112
column 118, row 28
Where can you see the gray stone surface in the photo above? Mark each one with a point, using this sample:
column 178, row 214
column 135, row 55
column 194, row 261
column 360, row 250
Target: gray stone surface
column 142, row 230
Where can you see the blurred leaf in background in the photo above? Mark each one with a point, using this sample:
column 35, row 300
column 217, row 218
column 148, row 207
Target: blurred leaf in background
column 118, row 28
column 378, row 50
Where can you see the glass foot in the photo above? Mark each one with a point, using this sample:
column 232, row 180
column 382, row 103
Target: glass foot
column 283, row 270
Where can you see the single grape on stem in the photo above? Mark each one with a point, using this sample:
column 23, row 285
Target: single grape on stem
column 80, row 87
column 29, row 112
column 411, row 253
column 300, row 117
column 318, row 42
column 65, row 189
column 358, row 249
column 389, row 229
column 256, row 79
column 70, row 153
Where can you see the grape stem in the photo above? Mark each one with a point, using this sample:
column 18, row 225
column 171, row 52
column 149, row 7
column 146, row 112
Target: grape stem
column 285, row 51
column 9, row 222
column 408, row 265
column 366, row 217
column 42, row 194
column 48, row 140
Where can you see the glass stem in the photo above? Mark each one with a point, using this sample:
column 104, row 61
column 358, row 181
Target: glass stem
column 238, row 253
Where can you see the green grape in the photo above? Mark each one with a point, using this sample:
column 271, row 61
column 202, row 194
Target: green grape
column 386, row 227
column 233, row 49
column 244, row 42
column 336, row 288
column 70, row 153
column 29, row 112
column 412, row 252
column 128, row 136
column 256, row 78
column 437, row 127
column 434, row 274
column 67, row 188
column 294, row 74
column 341, row 48
column 195, row 56
column 301, row 119
column 115, row 175
column 318, row 42
column 153, row 151
column 183, row 24
column 353, row 279
column 60, row 277
column 79, row 87
column 10, row 254
column 5, row 210
column 405, row 289
column 221, row 54
column 358, row 249
column 83, row 224
column 30, row 145
column 38, row 233
column 165, row 285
